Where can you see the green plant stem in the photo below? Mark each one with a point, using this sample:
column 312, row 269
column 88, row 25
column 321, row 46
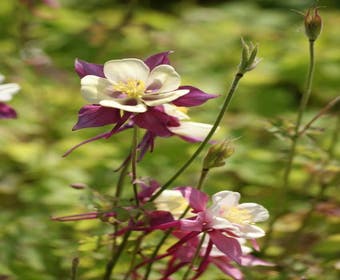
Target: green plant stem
column 292, row 152
column 118, row 193
column 301, row 111
column 203, row 176
column 116, row 251
column 197, row 252
column 134, row 255
column 113, row 261
column 75, row 263
column 134, row 163
column 225, row 106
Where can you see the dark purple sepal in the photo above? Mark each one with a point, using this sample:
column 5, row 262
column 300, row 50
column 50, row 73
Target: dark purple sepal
column 84, row 68
column 194, row 97
column 156, row 121
column 96, row 115
column 7, row 112
column 158, row 59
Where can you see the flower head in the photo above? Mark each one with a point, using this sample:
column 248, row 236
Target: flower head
column 227, row 213
column 6, row 93
column 131, row 92
column 130, row 85
column 313, row 24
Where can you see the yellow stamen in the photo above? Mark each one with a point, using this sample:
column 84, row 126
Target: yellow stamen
column 132, row 88
column 238, row 216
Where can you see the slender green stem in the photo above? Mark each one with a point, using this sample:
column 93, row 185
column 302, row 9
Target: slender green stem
column 75, row 263
column 134, row 255
column 301, row 111
column 113, row 261
column 155, row 252
column 225, row 106
column 116, row 251
column 118, row 193
column 203, row 176
column 292, row 152
column 195, row 257
column 134, row 163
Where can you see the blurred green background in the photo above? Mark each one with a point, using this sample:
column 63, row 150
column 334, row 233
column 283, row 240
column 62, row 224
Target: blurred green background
column 38, row 45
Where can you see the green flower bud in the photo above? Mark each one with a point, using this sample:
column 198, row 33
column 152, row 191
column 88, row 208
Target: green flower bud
column 217, row 154
column 313, row 24
column 248, row 59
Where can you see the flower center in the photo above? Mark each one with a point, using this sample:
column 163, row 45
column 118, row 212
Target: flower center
column 132, row 88
column 238, row 216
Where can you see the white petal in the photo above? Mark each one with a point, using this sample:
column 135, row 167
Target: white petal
column 258, row 212
column 162, row 98
column 192, row 130
column 94, row 88
column 122, row 70
column 164, row 78
column 251, row 231
column 2, row 78
column 173, row 110
column 119, row 104
column 7, row 90
column 221, row 223
column 227, row 198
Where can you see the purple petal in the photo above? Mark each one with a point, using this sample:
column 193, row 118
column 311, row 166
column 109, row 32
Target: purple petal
column 147, row 189
column 197, row 199
column 147, row 143
column 156, row 122
column 229, row 246
column 158, row 218
column 84, row 68
column 7, row 112
column 249, row 260
column 96, row 115
column 195, row 97
column 158, row 59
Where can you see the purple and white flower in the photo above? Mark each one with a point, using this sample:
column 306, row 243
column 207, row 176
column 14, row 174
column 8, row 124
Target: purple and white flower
column 6, row 93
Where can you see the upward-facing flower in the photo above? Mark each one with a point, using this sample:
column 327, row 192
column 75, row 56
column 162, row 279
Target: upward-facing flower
column 131, row 92
column 6, row 93
column 131, row 86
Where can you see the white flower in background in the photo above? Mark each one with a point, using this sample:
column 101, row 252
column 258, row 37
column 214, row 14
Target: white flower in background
column 171, row 201
column 130, row 85
column 227, row 213
column 7, row 90
column 192, row 131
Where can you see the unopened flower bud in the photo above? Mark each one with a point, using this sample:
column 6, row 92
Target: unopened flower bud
column 217, row 154
column 248, row 60
column 313, row 24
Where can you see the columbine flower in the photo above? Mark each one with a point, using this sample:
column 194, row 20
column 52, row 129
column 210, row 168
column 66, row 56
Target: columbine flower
column 6, row 93
column 131, row 92
column 227, row 213
column 130, row 85
column 224, row 222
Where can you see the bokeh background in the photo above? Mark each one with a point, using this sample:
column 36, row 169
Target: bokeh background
column 38, row 46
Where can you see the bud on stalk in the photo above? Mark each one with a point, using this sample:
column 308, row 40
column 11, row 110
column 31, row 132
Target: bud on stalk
column 313, row 24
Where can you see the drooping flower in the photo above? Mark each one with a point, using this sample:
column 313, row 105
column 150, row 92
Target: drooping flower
column 131, row 92
column 6, row 93
column 224, row 221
